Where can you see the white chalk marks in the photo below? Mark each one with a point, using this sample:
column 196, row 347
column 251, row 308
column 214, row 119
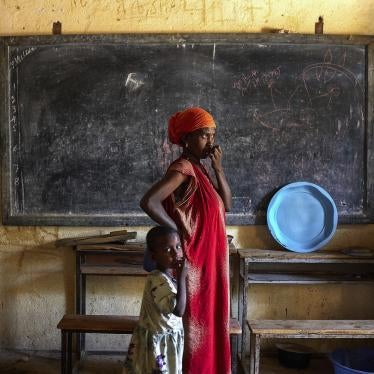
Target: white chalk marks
column 326, row 74
column 17, row 188
column 134, row 81
column 254, row 79
column 321, row 86
column 205, row 11
column 17, row 59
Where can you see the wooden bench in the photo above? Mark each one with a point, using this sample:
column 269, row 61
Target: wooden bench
column 303, row 329
column 109, row 324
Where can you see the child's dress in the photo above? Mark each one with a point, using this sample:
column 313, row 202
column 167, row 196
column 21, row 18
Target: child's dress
column 157, row 342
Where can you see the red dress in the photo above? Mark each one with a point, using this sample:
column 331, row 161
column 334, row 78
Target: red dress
column 200, row 215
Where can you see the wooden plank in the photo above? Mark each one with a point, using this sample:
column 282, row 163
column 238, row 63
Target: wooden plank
column 108, row 253
column 118, row 232
column 98, row 323
column 96, row 239
column 235, row 328
column 317, row 327
column 113, row 270
column 108, row 238
column 313, row 278
column 113, row 324
column 316, row 336
column 115, row 247
column 283, row 256
column 217, row 38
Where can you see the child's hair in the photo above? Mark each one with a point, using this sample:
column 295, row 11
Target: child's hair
column 157, row 232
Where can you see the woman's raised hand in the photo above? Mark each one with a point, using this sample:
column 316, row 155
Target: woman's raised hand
column 223, row 188
column 216, row 157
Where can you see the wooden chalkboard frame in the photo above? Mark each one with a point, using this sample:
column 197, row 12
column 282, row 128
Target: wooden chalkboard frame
column 139, row 218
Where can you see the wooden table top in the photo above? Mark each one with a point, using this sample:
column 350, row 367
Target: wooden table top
column 284, row 256
column 318, row 327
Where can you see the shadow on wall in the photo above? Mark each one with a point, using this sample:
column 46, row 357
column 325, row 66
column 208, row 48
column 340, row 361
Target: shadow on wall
column 36, row 285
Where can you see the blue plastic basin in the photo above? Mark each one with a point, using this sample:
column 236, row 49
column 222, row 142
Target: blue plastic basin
column 353, row 361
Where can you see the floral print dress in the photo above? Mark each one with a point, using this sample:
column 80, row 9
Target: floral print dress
column 157, row 343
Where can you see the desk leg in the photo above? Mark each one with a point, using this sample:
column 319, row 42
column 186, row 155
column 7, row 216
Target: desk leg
column 234, row 353
column 69, row 353
column 83, row 309
column 234, row 300
column 66, row 352
column 80, row 301
column 242, row 307
column 63, row 352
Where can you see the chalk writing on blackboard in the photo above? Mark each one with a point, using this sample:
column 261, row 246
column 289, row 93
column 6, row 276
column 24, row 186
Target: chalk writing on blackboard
column 18, row 59
column 133, row 82
column 318, row 85
column 254, row 79
column 88, row 133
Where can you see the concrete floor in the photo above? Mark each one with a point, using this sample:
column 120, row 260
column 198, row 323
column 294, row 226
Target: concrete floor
column 49, row 363
column 270, row 365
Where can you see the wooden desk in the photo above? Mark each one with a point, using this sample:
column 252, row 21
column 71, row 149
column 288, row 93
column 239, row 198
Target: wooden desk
column 304, row 329
column 260, row 266
column 93, row 261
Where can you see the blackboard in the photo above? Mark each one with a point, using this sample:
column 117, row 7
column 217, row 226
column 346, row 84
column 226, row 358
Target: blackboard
column 85, row 121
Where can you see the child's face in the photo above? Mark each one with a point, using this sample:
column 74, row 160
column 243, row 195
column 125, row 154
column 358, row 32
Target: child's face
column 167, row 251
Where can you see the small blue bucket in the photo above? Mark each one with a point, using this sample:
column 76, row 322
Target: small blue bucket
column 353, row 361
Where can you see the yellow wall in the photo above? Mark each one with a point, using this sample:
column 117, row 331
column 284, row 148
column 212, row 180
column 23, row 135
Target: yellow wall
column 119, row 16
column 37, row 279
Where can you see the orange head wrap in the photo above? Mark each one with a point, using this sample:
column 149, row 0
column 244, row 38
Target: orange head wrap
column 189, row 120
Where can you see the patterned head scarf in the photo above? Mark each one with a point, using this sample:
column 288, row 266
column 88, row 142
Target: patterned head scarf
column 189, row 120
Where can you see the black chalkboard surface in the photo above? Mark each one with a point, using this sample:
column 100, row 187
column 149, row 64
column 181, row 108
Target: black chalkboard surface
column 85, row 121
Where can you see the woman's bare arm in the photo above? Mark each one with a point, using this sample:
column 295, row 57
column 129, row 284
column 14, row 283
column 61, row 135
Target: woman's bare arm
column 151, row 202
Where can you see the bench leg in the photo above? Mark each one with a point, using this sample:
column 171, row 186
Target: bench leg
column 234, row 353
column 66, row 352
column 63, row 352
column 80, row 302
column 254, row 358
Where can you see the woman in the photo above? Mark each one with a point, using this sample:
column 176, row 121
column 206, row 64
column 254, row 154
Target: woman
column 187, row 200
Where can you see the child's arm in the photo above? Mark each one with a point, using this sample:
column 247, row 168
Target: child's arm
column 182, row 269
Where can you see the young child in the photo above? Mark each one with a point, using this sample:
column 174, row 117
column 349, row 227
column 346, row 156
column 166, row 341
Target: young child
column 157, row 342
